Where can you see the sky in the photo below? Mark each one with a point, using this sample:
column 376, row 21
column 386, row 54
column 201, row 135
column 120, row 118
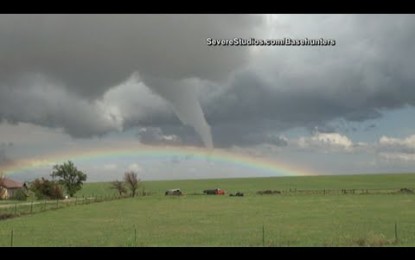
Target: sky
column 143, row 92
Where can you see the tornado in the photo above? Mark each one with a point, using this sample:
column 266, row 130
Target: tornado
column 184, row 101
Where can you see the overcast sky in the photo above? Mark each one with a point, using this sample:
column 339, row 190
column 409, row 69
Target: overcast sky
column 79, row 82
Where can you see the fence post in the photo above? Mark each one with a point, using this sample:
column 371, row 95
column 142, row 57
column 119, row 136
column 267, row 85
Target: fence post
column 263, row 235
column 396, row 232
column 11, row 238
column 31, row 207
column 135, row 236
column 44, row 206
column 15, row 208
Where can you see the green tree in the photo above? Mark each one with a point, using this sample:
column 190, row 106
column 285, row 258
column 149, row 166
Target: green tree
column 69, row 177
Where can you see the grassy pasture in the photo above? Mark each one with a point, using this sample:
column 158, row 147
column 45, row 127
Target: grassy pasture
column 292, row 219
column 252, row 185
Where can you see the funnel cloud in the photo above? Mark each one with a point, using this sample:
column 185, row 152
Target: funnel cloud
column 183, row 98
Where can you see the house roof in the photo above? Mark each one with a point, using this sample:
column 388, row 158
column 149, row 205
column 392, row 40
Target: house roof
column 11, row 184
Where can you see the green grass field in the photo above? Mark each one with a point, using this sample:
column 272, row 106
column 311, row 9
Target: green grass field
column 292, row 219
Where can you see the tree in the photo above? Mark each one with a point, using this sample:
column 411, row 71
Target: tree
column 119, row 186
column 132, row 181
column 70, row 177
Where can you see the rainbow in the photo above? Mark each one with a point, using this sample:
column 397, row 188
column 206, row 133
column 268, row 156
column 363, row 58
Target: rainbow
column 157, row 153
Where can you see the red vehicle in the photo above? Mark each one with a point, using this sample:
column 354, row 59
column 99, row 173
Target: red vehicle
column 214, row 192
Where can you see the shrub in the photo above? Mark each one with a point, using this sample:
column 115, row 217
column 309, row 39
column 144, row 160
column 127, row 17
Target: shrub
column 406, row 190
column 267, row 192
column 5, row 216
column 20, row 195
column 45, row 189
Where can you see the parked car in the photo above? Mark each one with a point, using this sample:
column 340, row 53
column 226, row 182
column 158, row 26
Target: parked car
column 216, row 191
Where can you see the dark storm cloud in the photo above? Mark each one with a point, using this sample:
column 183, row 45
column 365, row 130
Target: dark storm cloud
column 368, row 71
column 91, row 53
column 83, row 56
column 354, row 81
column 39, row 102
column 252, row 111
column 247, row 96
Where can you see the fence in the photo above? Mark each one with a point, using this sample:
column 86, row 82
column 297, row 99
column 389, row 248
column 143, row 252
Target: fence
column 263, row 237
column 295, row 191
column 33, row 207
